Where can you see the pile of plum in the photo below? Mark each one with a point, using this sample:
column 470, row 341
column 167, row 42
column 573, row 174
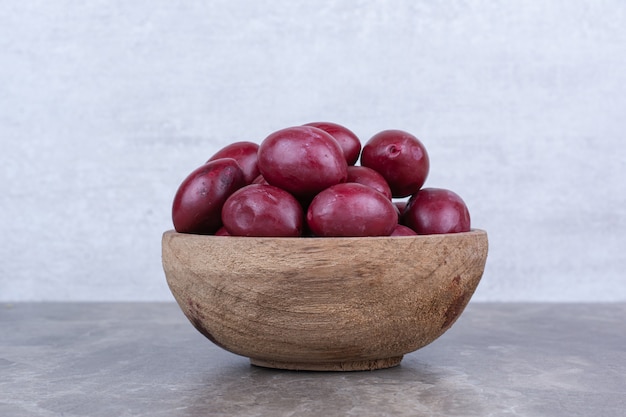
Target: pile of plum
column 305, row 181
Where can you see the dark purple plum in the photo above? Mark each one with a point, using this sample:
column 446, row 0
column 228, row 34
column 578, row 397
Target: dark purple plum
column 351, row 209
column 198, row 202
column 400, row 158
column 245, row 153
column 436, row 211
column 262, row 210
column 259, row 180
column 349, row 142
column 369, row 177
column 401, row 230
column 302, row 160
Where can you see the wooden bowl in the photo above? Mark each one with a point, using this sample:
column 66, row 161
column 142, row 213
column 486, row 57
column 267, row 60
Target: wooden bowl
column 323, row 303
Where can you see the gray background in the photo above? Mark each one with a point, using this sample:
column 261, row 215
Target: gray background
column 105, row 106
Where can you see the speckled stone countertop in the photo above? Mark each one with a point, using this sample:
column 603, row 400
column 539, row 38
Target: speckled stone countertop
column 145, row 359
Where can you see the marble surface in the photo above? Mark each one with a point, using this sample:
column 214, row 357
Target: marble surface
column 145, row 359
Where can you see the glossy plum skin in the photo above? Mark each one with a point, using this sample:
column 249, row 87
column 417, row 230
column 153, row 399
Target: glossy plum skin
column 222, row 232
column 302, row 160
column 402, row 230
column 349, row 142
column 351, row 209
column 400, row 207
column 259, row 180
column 400, row 158
column 198, row 202
column 437, row 211
column 367, row 176
column 262, row 210
column 245, row 153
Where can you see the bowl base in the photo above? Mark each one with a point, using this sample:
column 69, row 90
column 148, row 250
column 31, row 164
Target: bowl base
column 362, row 365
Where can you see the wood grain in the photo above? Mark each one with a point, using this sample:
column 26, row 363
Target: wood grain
column 323, row 303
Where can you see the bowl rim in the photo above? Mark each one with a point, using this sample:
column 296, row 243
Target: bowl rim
column 472, row 231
